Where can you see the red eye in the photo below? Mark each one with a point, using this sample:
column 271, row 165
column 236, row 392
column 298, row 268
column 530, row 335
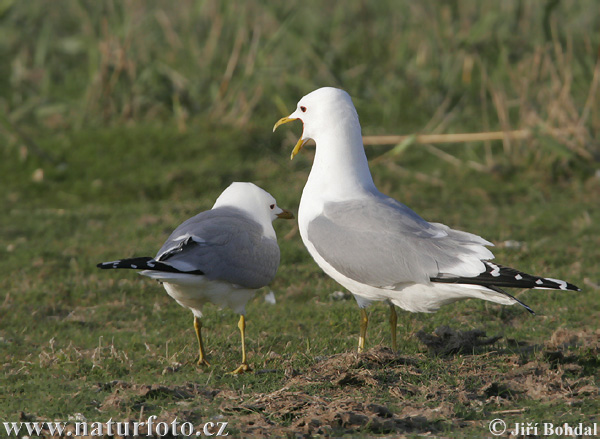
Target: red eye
column 303, row 109
column 272, row 206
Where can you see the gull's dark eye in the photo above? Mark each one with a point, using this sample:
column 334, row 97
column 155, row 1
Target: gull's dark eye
column 303, row 109
column 272, row 206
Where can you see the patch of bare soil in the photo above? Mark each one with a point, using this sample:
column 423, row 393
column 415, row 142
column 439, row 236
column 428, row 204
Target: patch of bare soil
column 133, row 396
column 347, row 393
column 325, row 400
column 382, row 392
column 447, row 341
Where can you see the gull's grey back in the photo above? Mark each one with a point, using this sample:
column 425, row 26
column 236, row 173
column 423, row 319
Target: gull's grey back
column 381, row 242
column 225, row 245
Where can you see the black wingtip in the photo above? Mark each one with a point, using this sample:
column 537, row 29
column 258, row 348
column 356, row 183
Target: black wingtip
column 555, row 284
column 501, row 276
column 131, row 263
column 144, row 263
column 500, row 290
column 524, row 305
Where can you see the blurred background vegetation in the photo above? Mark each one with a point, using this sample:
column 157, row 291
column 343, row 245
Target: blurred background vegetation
column 451, row 66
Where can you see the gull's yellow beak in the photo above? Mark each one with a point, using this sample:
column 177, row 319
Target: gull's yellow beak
column 286, row 214
column 301, row 141
column 282, row 121
column 298, row 147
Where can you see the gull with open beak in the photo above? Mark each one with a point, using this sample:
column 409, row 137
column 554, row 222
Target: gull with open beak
column 301, row 142
column 377, row 247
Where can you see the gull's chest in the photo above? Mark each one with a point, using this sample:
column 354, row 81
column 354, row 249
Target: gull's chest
column 311, row 206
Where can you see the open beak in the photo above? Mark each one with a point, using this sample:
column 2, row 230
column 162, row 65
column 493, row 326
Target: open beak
column 298, row 147
column 282, row 121
column 285, row 214
column 301, row 141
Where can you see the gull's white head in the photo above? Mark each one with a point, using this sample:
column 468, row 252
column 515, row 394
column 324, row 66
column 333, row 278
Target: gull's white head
column 323, row 111
column 256, row 202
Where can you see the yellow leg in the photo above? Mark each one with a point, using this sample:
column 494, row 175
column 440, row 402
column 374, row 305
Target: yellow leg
column 244, row 367
column 393, row 324
column 364, row 322
column 201, row 356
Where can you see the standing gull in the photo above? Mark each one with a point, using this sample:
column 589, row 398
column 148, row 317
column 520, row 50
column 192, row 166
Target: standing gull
column 376, row 247
column 222, row 255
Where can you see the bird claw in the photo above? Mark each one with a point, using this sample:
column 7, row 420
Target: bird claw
column 203, row 363
column 244, row 367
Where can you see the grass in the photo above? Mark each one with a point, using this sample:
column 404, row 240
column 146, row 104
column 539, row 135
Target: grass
column 121, row 119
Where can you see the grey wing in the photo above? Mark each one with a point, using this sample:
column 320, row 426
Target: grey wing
column 380, row 242
column 225, row 245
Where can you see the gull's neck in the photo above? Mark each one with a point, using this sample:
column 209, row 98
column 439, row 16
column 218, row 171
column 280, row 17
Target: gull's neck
column 340, row 169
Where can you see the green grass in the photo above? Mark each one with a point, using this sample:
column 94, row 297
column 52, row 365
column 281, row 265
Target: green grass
column 103, row 156
column 67, row 327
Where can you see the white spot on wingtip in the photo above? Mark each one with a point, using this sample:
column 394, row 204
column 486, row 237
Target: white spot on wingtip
column 539, row 282
column 495, row 269
column 561, row 283
column 133, row 266
column 518, row 277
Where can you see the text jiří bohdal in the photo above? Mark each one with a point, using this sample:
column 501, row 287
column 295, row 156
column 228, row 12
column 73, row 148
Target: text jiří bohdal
column 550, row 429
